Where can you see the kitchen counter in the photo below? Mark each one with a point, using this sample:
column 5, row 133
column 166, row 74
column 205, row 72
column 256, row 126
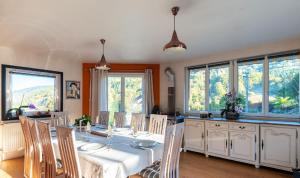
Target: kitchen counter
column 252, row 121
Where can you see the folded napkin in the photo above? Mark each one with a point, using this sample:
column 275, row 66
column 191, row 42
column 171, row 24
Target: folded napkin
column 101, row 134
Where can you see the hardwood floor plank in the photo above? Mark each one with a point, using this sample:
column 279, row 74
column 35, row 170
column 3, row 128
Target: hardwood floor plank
column 192, row 165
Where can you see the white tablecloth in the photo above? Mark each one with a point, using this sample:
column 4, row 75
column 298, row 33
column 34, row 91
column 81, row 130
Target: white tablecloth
column 121, row 161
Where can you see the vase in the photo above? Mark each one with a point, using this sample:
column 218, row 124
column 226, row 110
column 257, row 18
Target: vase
column 232, row 115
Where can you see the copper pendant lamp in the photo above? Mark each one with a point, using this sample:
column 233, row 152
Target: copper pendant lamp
column 102, row 64
column 175, row 44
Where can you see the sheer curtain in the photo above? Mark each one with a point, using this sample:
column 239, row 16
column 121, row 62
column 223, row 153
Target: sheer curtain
column 149, row 96
column 98, row 93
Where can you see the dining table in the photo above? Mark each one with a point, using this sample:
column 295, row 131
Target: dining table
column 116, row 155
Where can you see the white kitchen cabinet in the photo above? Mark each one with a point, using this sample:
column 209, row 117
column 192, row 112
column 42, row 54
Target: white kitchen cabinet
column 217, row 142
column 278, row 146
column 194, row 135
column 243, row 145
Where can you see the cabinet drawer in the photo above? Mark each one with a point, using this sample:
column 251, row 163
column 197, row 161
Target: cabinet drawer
column 217, row 125
column 195, row 123
column 242, row 127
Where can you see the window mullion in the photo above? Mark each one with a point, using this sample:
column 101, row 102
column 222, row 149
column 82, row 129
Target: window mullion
column 266, row 86
column 207, row 88
column 235, row 76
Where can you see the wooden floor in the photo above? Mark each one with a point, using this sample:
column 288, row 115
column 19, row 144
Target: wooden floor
column 192, row 165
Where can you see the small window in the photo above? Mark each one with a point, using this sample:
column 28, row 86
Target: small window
column 196, row 100
column 218, row 87
column 284, row 84
column 30, row 92
column 250, row 85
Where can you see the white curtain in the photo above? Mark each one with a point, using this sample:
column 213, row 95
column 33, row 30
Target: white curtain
column 98, row 92
column 149, row 96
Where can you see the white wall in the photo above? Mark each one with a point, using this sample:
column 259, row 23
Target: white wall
column 57, row 61
column 178, row 66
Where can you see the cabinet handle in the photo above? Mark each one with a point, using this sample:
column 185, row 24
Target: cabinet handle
column 242, row 127
column 202, row 135
column 226, row 143
column 262, row 144
column 231, row 144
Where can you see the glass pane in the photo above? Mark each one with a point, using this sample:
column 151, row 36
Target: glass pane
column 250, row 86
column 133, row 95
column 197, row 90
column 114, row 95
column 284, row 85
column 218, row 87
column 32, row 89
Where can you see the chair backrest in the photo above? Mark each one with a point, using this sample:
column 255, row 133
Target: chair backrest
column 119, row 119
column 103, row 118
column 138, row 121
column 59, row 119
column 158, row 124
column 37, row 152
column 28, row 151
column 68, row 152
column 47, row 147
column 171, row 154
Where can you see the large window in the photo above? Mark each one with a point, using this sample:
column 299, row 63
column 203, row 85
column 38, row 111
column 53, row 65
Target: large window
column 218, row 86
column 33, row 92
column 125, row 93
column 284, row 84
column 207, row 86
column 197, row 90
column 250, row 85
column 268, row 85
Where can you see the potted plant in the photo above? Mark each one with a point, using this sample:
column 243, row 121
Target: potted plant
column 82, row 122
column 233, row 106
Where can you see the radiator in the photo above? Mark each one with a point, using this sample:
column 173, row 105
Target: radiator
column 12, row 141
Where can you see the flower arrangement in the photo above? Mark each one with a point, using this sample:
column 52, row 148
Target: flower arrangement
column 233, row 106
column 84, row 119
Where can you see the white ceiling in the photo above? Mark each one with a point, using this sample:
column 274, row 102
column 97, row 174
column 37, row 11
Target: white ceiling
column 137, row 30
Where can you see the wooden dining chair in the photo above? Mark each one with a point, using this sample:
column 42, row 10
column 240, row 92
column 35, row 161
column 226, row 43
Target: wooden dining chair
column 119, row 119
column 53, row 167
column 59, row 119
column 37, row 151
column 168, row 167
column 68, row 152
column 138, row 121
column 28, row 151
column 103, row 118
column 158, row 124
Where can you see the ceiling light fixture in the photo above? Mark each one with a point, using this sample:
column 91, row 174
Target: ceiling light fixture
column 102, row 64
column 175, row 44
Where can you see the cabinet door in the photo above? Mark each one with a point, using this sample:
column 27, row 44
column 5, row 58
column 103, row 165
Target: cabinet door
column 217, row 142
column 278, row 146
column 194, row 136
column 242, row 145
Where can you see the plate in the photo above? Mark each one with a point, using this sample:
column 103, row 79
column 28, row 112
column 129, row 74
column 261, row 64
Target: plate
column 91, row 146
column 145, row 143
column 120, row 129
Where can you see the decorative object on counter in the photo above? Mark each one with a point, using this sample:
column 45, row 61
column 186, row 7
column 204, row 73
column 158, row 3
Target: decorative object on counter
column 233, row 106
column 83, row 122
column 205, row 114
column 16, row 112
column 72, row 89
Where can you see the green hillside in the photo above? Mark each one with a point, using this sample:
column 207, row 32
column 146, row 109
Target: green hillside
column 42, row 97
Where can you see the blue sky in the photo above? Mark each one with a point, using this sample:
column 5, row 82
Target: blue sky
column 20, row 81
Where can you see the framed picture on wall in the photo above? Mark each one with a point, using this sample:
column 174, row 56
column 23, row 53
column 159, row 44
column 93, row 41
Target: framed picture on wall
column 72, row 89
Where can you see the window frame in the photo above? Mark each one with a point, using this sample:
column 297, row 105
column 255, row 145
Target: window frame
column 5, row 69
column 233, row 83
column 123, row 76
